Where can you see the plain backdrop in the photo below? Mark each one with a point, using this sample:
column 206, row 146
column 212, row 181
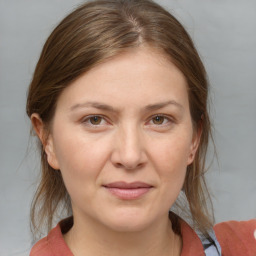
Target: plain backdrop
column 224, row 32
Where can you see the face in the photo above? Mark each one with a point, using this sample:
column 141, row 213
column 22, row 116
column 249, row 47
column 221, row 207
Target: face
column 122, row 138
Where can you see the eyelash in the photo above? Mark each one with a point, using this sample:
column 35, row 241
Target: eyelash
column 86, row 120
column 167, row 120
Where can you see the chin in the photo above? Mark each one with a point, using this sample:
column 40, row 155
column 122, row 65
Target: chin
column 128, row 221
column 128, row 226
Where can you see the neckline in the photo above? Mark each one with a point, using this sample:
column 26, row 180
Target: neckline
column 191, row 243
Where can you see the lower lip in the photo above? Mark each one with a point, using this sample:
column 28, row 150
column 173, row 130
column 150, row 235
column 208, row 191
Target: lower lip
column 128, row 194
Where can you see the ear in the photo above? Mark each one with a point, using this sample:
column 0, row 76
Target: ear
column 46, row 140
column 195, row 143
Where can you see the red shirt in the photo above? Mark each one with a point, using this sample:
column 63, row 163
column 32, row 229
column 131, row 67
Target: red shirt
column 236, row 239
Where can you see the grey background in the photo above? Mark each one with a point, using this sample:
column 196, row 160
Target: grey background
column 224, row 31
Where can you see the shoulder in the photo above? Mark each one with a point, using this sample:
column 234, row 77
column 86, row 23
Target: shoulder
column 191, row 243
column 52, row 245
column 237, row 237
column 41, row 248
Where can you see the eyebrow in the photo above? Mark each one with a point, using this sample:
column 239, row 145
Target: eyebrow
column 106, row 107
column 93, row 105
column 163, row 104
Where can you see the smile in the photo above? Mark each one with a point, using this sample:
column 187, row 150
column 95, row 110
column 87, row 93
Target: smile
column 128, row 191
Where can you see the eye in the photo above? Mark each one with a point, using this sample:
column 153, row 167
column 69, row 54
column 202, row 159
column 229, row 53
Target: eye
column 94, row 120
column 160, row 120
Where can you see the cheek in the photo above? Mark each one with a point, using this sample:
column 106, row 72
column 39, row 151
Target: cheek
column 80, row 157
column 172, row 153
column 170, row 160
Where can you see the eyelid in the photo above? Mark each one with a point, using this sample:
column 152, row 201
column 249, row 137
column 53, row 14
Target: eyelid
column 87, row 118
column 106, row 120
column 168, row 117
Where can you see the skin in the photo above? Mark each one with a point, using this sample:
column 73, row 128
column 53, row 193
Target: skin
column 144, row 134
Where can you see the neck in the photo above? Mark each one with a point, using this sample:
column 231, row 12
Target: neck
column 90, row 238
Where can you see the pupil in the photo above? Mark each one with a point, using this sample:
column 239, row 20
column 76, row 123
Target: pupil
column 158, row 120
column 95, row 120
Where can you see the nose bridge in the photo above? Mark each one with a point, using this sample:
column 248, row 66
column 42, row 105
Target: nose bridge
column 129, row 150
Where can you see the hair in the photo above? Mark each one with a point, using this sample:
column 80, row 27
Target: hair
column 91, row 34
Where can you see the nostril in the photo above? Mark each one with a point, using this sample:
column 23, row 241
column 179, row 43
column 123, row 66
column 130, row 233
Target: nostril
column 129, row 167
column 118, row 165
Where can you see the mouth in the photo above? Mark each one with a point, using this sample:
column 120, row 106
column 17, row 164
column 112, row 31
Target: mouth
column 128, row 191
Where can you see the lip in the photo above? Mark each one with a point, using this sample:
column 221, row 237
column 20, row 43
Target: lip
column 128, row 191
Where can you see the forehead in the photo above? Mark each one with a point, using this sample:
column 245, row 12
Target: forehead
column 142, row 75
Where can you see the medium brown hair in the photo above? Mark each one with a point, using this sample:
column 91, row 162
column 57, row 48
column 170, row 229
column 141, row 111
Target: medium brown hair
column 91, row 34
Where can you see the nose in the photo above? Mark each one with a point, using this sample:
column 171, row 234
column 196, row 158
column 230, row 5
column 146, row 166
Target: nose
column 129, row 152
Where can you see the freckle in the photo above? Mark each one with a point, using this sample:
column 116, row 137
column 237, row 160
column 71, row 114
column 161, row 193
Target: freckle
column 255, row 234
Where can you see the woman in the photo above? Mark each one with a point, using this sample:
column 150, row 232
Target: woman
column 119, row 103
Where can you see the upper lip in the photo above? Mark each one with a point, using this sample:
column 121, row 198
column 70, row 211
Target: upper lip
column 126, row 185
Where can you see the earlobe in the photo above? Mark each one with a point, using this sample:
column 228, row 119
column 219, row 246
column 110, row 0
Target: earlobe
column 195, row 144
column 50, row 152
column 46, row 140
column 192, row 154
